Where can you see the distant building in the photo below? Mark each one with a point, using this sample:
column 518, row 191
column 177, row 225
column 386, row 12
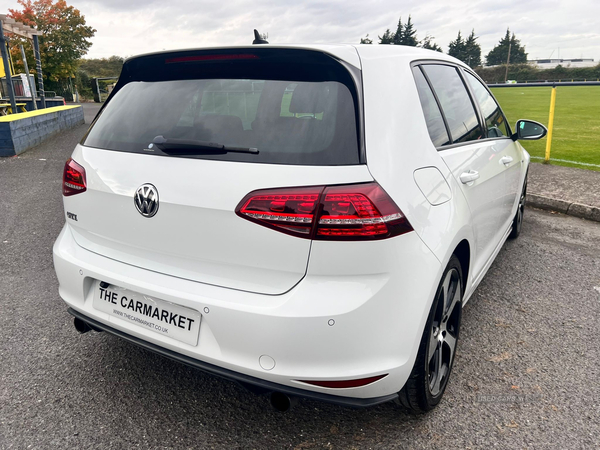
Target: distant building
column 552, row 63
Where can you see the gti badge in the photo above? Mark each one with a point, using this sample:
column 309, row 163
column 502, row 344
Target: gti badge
column 146, row 200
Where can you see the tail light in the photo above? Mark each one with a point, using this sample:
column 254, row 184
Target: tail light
column 348, row 212
column 289, row 210
column 73, row 178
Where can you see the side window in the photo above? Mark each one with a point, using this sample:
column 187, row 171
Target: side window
column 455, row 102
column 495, row 121
column 433, row 117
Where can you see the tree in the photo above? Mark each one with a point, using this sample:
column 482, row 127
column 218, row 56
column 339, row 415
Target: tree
column 499, row 54
column 102, row 67
column 96, row 68
column 472, row 51
column 405, row 34
column 457, row 48
column 468, row 51
column 65, row 36
column 387, row 38
column 366, row 40
column 399, row 34
column 429, row 44
column 409, row 34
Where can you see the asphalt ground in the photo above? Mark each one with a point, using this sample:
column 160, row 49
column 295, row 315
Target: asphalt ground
column 526, row 373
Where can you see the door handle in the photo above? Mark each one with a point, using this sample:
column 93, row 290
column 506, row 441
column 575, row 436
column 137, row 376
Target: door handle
column 506, row 160
column 468, row 177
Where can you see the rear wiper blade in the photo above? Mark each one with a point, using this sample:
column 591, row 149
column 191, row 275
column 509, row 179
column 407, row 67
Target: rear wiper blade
column 187, row 146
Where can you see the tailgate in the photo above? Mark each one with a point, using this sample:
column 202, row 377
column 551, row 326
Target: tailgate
column 195, row 234
column 205, row 128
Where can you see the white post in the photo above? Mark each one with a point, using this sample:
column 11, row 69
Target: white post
column 31, row 86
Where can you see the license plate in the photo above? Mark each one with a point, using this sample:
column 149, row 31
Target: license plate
column 162, row 317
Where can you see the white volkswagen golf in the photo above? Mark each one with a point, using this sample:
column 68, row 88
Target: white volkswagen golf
column 304, row 220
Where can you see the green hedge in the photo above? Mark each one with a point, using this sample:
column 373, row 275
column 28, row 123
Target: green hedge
column 526, row 72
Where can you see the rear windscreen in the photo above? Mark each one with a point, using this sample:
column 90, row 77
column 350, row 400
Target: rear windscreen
column 292, row 112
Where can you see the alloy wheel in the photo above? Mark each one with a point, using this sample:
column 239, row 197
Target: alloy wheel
column 521, row 208
column 444, row 332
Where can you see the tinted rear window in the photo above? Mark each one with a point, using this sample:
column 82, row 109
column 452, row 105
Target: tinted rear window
column 459, row 111
column 433, row 117
column 293, row 113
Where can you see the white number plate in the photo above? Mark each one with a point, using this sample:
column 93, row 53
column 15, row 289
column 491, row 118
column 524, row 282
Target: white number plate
column 165, row 318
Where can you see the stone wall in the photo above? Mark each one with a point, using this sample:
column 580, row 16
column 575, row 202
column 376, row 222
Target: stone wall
column 18, row 132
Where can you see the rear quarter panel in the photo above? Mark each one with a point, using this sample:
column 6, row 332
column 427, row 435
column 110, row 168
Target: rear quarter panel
column 398, row 143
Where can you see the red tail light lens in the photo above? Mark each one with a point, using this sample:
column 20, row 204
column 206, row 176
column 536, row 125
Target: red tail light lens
column 359, row 211
column 289, row 210
column 349, row 212
column 194, row 58
column 73, row 178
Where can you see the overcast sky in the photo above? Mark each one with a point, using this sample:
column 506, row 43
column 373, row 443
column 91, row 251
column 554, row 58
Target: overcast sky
column 566, row 29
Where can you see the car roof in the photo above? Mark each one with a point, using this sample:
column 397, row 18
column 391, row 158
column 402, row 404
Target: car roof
column 349, row 53
column 408, row 53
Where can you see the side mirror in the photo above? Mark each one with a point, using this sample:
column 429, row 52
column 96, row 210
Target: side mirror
column 529, row 130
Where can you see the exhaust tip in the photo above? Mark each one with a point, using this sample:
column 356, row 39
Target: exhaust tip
column 282, row 402
column 81, row 326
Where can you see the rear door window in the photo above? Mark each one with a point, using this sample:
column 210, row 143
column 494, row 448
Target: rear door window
column 495, row 121
column 431, row 110
column 292, row 113
column 455, row 101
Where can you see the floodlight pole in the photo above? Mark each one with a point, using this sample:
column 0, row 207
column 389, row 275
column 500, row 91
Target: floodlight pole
column 507, row 62
column 38, row 66
column 9, row 83
column 31, row 86
column 98, row 90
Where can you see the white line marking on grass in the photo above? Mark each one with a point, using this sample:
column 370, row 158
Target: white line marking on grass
column 566, row 161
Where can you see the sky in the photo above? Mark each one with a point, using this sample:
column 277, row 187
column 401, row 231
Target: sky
column 565, row 29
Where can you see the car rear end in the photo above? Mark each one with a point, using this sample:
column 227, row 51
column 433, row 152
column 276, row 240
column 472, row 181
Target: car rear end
column 220, row 210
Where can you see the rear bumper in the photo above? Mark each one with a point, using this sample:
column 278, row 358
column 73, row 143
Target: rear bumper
column 244, row 380
column 359, row 312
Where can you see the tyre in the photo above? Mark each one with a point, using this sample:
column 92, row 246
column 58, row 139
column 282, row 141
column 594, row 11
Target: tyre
column 429, row 377
column 518, row 220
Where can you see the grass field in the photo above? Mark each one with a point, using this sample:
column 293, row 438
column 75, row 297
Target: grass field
column 576, row 135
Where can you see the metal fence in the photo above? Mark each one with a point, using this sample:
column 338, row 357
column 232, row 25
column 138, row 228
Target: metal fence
column 546, row 84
